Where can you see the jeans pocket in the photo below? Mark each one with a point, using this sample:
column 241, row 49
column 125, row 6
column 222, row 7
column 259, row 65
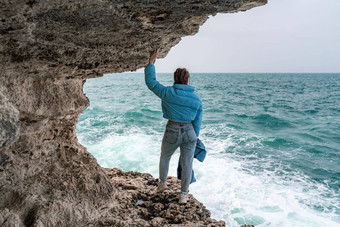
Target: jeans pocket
column 171, row 136
column 191, row 135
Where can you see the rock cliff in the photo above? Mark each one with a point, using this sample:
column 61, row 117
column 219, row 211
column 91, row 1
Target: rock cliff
column 48, row 48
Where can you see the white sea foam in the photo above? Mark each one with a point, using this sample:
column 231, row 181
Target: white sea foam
column 264, row 200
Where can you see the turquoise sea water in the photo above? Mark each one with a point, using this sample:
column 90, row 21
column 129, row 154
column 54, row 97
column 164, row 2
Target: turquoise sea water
column 273, row 142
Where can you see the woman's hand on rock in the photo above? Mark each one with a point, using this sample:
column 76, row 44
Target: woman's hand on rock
column 153, row 56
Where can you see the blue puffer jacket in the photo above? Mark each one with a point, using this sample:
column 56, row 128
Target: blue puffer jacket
column 180, row 103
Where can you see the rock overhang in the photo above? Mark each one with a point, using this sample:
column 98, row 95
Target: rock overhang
column 101, row 36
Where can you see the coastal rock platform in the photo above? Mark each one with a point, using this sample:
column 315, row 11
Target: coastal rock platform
column 141, row 205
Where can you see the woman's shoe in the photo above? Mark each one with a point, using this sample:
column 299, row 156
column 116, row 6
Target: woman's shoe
column 183, row 198
column 161, row 187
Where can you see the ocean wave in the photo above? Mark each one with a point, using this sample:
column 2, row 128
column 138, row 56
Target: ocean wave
column 279, row 142
column 270, row 121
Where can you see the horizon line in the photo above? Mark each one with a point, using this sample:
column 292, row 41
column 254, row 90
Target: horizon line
column 245, row 72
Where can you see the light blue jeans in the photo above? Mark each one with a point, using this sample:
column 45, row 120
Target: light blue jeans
column 175, row 136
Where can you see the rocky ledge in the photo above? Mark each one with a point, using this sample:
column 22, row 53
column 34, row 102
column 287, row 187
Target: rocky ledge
column 48, row 48
column 141, row 205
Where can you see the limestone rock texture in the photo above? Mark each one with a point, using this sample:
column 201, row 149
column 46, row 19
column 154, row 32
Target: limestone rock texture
column 140, row 204
column 48, row 48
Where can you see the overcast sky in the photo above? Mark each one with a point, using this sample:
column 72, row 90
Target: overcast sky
column 282, row 36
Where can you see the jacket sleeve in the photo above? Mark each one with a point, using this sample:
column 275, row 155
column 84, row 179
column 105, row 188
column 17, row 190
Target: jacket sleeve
column 197, row 121
column 152, row 83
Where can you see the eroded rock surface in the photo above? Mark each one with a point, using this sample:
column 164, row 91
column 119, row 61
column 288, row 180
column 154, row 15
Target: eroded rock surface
column 140, row 204
column 48, row 48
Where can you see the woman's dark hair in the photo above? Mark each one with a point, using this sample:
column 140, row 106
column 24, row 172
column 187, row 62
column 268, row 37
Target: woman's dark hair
column 181, row 76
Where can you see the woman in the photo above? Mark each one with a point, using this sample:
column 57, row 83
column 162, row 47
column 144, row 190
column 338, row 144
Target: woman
column 183, row 109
